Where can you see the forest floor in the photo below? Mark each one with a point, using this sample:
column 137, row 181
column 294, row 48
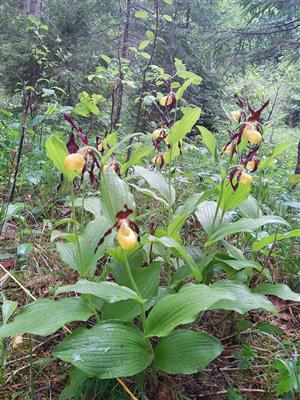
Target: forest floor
column 247, row 363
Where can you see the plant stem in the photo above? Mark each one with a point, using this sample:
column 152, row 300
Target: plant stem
column 170, row 209
column 219, row 202
column 32, row 391
column 81, row 269
column 144, row 81
column 134, row 286
column 259, row 198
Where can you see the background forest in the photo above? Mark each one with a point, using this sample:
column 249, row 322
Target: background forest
column 106, row 70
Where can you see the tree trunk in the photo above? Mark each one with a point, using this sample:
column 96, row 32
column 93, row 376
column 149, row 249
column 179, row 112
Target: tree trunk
column 119, row 90
column 36, row 8
column 25, row 108
column 26, row 6
column 297, row 170
column 33, row 7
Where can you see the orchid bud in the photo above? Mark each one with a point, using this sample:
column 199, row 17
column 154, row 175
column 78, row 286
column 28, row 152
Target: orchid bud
column 100, row 147
column 236, row 115
column 156, row 134
column 158, row 160
column 228, row 149
column 75, row 162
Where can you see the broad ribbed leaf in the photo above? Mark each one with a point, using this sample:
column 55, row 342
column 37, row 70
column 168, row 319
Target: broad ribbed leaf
column 77, row 379
column 244, row 300
column 278, row 289
column 56, row 150
column 169, row 242
column 205, row 214
column 245, row 225
column 150, row 193
column 232, row 199
column 182, row 308
column 274, row 237
column 184, row 211
column 8, row 308
column 46, row 316
column 92, row 205
column 184, row 125
column 186, row 352
column 108, row 291
column 116, row 146
column 208, row 139
column 85, row 260
column 250, row 208
column 238, row 265
column 147, row 280
column 141, row 151
column 108, row 350
column 114, row 195
column 157, row 181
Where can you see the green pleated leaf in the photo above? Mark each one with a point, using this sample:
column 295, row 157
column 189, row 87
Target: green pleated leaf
column 91, row 204
column 250, row 208
column 85, row 261
column 147, row 280
column 183, row 212
column 44, row 317
column 274, row 237
column 158, row 182
column 114, row 195
column 8, row 308
column 172, row 243
column 244, row 300
column 182, row 308
column 278, row 289
column 232, row 199
column 184, row 125
column 245, row 225
column 208, row 139
column 108, row 291
column 205, row 214
column 56, row 150
column 186, row 352
column 108, row 350
column 77, row 379
column 141, row 151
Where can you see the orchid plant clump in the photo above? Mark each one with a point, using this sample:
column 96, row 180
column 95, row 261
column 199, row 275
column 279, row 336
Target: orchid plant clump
column 139, row 289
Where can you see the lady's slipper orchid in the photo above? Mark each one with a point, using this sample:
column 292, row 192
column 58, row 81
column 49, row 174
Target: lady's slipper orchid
column 245, row 178
column 128, row 233
column 158, row 160
column 126, row 237
column 252, row 135
column 169, row 100
column 229, row 149
column 75, row 162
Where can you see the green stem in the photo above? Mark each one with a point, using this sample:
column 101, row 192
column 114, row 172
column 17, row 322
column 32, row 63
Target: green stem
column 82, row 212
column 75, row 230
column 32, row 390
column 91, row 305
column 135, row 287
column 259, row 198
column 170, row 209
column 219, row 202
